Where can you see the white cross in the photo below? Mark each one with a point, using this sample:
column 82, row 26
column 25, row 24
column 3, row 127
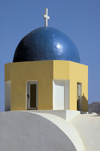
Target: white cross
column 46, row 17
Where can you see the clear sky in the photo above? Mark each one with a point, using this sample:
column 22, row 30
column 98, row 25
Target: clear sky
column 78, row 19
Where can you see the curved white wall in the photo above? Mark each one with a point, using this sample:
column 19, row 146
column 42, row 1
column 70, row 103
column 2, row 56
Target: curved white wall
column 23, row 131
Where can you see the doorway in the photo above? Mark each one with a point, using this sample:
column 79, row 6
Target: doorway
column 32, row 95
column 79, row 94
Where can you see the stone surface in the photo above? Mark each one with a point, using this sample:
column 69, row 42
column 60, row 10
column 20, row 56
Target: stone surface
column 94, row 107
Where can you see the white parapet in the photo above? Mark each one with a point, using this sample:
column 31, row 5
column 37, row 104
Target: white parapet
column 65, row 114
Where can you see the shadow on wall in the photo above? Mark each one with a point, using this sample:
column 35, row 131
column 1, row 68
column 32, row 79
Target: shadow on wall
column 82, row 104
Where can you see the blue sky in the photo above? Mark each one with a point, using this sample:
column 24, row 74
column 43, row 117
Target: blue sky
column 78, row 19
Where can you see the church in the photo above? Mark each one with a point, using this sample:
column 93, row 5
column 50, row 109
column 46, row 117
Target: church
column 46, row 73
column 46, row 96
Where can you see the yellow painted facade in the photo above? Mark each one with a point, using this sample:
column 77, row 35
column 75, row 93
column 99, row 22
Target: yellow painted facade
column 76, row 73
column 44, row 72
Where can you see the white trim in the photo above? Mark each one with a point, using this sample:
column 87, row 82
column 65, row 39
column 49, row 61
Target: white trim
column 28, row 83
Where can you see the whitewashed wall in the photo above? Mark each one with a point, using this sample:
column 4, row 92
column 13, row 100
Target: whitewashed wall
column 60, row 94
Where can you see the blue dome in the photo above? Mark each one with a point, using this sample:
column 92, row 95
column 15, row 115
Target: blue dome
column 46, row 43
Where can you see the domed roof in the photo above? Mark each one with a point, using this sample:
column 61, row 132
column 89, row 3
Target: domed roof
column 46, row 43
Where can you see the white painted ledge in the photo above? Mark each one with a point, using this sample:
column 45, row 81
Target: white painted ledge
column 65, row 114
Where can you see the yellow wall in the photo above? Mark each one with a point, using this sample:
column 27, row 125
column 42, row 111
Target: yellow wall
column 78, row 73
column 44, row 72
column 21, row 73
column 74, row 72
column 61, row 70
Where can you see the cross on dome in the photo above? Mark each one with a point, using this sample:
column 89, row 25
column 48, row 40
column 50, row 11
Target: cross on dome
column 46, row 17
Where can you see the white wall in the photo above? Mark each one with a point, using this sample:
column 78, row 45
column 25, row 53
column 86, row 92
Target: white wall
column 66, row 91
column 60, row 94
column 24, row 131
column 7, row 95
